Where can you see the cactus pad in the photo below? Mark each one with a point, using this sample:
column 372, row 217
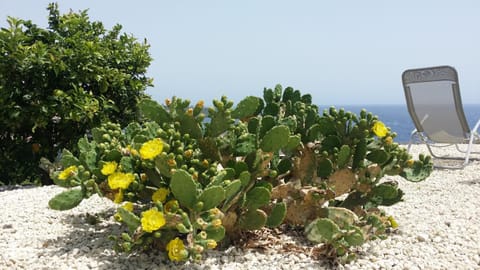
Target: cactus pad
column 66, row 200
column 183, row 187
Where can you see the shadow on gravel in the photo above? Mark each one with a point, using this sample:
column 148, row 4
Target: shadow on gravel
column 472, row 182
column 89, row 238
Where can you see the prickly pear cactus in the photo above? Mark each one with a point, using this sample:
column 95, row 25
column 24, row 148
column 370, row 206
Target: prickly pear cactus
column 192, row 177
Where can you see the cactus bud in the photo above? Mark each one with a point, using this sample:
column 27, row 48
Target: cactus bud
column 90, row 183
column 410, row 162
column 199, row 206
column 205, row 163
column 106, row 137
column 126, row 237
column 188, row 153
column 388, row 140
column 198, row 257
column 216, row 222
column 211, row 244
column 126, row 246
column 157, row 234
column 197, row 249
column 168, row 102
column 201, row 223
column 181, row 228
column 202, row 235
column 200, row 104
column 171, row 163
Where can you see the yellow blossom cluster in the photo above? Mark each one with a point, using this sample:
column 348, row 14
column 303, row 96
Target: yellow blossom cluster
column 152, row 220
column 176, row 250
column 160, row 195
column 151, row 149
column 68, row 172
column 380, row 129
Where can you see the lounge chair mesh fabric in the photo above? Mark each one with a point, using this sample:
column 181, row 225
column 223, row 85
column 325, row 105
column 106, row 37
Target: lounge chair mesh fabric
column 435, row 105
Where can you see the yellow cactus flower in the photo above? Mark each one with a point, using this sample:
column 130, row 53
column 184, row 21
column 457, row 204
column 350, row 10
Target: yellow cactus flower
column 190, row 112
column 160, row 195
column 151, row 149
column 152, row 220
column 168, row 102
column 393, row 222
column 211, row 244
column 176, row 250
column 171, row 206
column 120, row 180
column 118, row 197
column 379, row 129
column 68, row 172
column 128, row 206
column 109, row 168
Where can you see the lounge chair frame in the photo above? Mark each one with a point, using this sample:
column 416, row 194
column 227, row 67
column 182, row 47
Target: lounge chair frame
column 447, row 78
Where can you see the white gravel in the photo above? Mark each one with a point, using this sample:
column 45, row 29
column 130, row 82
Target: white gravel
column 439, row 229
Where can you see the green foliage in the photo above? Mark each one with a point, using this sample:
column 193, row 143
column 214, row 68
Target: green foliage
column 207, row 178
column 66, row 200
column 59, row 82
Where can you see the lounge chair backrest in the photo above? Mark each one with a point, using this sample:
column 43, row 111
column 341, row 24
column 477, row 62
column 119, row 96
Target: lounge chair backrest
column 434, row 103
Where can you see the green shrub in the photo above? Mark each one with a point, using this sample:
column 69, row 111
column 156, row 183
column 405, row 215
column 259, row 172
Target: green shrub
column 59, row 82
column 190, row 180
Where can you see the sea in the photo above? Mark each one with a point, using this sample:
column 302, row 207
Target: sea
column 397, row 118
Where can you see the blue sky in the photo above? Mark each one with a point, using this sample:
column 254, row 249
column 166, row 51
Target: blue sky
column 342, row 52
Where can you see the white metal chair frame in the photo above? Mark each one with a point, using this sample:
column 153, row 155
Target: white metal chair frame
column 435, row 74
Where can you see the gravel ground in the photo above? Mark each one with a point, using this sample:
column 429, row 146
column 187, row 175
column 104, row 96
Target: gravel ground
column 439, row 229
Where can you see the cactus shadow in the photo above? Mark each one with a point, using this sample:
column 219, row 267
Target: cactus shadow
column 471, row 182
column 89, row 237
